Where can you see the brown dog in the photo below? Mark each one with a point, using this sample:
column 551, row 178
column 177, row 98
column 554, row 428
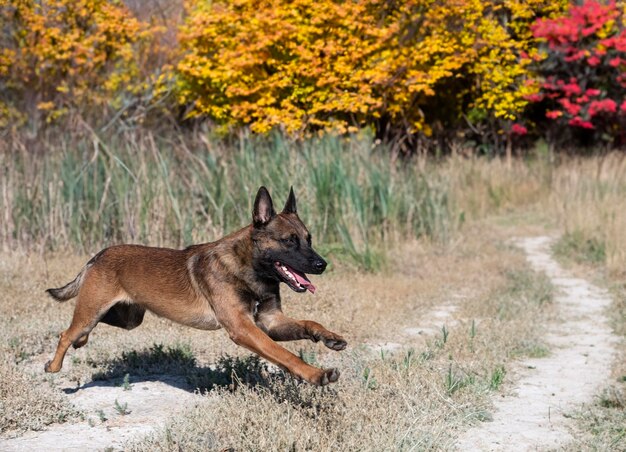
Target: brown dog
column 231, row 283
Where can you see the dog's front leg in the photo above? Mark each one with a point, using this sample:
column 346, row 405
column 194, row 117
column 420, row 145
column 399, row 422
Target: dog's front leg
column 245, row 333
column 282, row 328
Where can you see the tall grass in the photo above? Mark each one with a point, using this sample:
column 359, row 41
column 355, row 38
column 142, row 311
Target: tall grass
column 173, row 190
column 589, row 200
column 90, row 192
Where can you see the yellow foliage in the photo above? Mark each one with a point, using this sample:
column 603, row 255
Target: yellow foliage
column 307, row 64
column 58, row 54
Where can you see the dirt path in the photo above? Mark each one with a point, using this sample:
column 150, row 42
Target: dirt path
column 149, row 404
column 582, row 349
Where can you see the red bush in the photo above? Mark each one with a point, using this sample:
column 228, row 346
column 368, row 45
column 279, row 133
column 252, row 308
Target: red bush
column 582, row 67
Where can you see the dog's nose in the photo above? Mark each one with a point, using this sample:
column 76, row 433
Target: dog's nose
column 320, row 265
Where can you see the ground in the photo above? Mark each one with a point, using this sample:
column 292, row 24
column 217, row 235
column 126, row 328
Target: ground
column 450, row 347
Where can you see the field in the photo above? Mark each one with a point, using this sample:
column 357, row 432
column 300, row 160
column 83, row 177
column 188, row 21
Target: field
column 439, row 305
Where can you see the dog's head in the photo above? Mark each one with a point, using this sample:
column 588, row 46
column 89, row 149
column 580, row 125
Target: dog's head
column 283, row 250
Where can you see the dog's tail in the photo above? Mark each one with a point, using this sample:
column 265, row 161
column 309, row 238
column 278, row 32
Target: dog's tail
column 70, row 290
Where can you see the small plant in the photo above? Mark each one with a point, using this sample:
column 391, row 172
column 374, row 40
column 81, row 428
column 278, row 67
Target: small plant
column 532, row 350
column 308, row 357
column 444, row 336
column 101, row 416
column 232, row 372
column 427, row 355
column 452, row 383
column 612, row 397
column 497, row 377
column 122, row 409
column 408, row 359
column 126, row 383
column 472, row 334
column 368, row 379
column 581, row 248
column 177, row 359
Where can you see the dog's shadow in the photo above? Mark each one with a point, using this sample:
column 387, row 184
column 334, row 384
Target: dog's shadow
column 176, row 366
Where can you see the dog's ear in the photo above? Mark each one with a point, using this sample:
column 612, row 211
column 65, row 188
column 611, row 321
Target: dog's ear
column 290, row 205
column 263, row 208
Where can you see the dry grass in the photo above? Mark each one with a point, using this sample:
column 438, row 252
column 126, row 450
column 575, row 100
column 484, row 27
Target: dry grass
column 417, row 397
column 589, row 196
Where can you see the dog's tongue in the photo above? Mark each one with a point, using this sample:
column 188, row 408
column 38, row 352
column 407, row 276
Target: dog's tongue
column 303, row 281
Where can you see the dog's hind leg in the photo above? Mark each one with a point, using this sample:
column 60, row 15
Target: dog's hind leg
column 81, row 341
column 86, row 316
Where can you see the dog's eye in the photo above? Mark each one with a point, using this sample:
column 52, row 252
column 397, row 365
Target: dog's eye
column 291, row 240
column 309, row 240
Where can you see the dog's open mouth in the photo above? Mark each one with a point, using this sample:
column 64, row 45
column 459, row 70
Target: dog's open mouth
column 296, row 280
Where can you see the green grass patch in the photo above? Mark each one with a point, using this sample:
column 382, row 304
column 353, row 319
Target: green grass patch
column 158, row 359
column 581, row 248
column 87, row 193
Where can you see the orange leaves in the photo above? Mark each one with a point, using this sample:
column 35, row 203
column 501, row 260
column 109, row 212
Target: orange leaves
column 65, row 53
column 305, row 64
column 291, row 64
column 301, row 65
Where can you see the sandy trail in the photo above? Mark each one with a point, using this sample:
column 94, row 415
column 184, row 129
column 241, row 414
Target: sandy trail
column 582, row 350
column 150, row 405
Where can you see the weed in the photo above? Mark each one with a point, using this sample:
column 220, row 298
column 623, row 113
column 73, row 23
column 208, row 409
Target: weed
column 497, row 377
column 126, row 383
column 484, row 416
column 581, row 248
column 101, row 415
column 472, row 332
column 456, row 380
column 427, row 355
column 472, row 335
column 523, row 288
column 444, row 337
column 531, row 349
column 176, row 360
column 232, row 372
column 122, row 409
column 308, row 356
column 612, row 397
column 369, row 382
column 408, row 359
column 133, row 188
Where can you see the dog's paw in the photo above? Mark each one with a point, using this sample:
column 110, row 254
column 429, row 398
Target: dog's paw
column 335, row 342
column 47, row 368
column 329, row 376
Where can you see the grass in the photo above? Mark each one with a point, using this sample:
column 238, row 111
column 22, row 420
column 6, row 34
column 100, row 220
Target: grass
column 121, row 408
column 417, row 399
column 587, row 200
column 91, row 192
column 603, row 422
column 27, row 403
column 577, row 246
column 417, row 227
column 243, row 400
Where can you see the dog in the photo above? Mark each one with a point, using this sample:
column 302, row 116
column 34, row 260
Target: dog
column 232, row 283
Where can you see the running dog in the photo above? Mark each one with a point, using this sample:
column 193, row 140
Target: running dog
column 232, row 283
